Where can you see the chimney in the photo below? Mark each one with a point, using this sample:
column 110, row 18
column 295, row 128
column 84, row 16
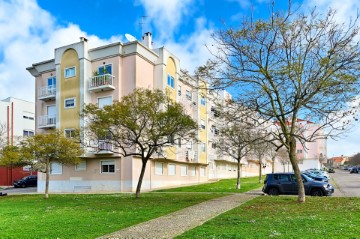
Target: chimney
column 83, row 39
column 146, row 40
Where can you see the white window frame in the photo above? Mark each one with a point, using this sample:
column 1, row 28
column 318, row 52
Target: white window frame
column 110, row 162
column 171, row 82
column 159, row 168
column 202, row 101
column 58, row 168
column 71, row 132
column 70, row 107
column 203, row 147
column 26, row 133
column 192, row 171
column 99, row 98
column 189, row 145
column 171, row 169
column 67, row 69
column 81, row 166
column 202, row 172
column 202, row 124
column 183, row 170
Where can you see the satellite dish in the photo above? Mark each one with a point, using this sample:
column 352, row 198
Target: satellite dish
column 130, row 38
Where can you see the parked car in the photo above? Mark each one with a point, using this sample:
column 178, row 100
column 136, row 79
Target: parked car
column 354, row 170
column 331, row 170
column 316, row 177
column 28, row 181
column 285, row 183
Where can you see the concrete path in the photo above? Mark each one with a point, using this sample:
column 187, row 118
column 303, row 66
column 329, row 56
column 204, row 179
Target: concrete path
column 176, row 223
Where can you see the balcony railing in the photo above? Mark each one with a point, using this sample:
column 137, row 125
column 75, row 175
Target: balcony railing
column 47, row 93
column 101, row 83
column 104, row 147
column 47, row 121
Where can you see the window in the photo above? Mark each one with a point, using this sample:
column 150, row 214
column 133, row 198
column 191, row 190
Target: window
column 81, row 166
column 69, row 133
column 179, row 142
column 189, row 145
column 179, row 90
column 69, row 72
column 55, row 168
column 171, row 139
column 202, row 172
column 107, row 166
column 171, row 81
column 202, row 124
column 104, row 101
column 28, row 117
column 192, row 171
column 213, row 145
column 159, row 168
column 188, row 95
column 28, row 133
column 203, row 147
column 69, row 103
column 105, row 69
column 299, row 151
column 202, row 100
column 183, row 170
column 171, row 169
column 215, row 111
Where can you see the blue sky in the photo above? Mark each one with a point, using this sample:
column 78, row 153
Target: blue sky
column 30, row 30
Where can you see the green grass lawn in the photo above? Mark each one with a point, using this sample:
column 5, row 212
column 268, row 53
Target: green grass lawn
column 283, row 217
column 85, row 216
column 225, row 185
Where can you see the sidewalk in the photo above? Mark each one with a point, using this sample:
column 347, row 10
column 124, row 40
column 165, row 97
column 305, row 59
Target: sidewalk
column 176, row 223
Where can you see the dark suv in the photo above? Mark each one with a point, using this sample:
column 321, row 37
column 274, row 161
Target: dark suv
column 28, row 181
column 285, row 183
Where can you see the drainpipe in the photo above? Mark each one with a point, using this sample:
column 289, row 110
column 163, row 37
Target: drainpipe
column 8, row 126
column 12, row 123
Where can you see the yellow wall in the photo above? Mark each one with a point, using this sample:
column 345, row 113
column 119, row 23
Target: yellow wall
column 171, row 70
column 203, row 116
column 69, row 88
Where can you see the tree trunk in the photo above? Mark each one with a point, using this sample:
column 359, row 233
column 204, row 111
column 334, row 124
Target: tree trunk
column 47, row 175
column 138, row 187
column 294, row 163
column 260, row 170
column 238, row 186
column 273, row 166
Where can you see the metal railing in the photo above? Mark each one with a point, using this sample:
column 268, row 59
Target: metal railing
column 47, row 121
column 101, row 80
column 47, row 91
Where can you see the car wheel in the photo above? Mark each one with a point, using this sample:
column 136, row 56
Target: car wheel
column 316, row 192
column 273, row 191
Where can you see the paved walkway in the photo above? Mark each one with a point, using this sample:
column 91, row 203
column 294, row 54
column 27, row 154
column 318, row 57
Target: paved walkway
column 176, row 223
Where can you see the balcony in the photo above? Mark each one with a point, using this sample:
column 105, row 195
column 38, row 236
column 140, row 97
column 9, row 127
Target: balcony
column 101, row 83
column 47, row 122
column 47, row 93
column 104, row 147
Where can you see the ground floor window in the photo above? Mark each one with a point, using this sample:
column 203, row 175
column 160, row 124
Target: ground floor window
column 81, row 166
column 159, row 168
column 55, row 168
column 202, row 172
column 171, row 169
column 192, row 170
column 107, row 166
column 183, row 170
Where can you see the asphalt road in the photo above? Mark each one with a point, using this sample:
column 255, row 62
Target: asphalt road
column 346, row 184
column 13, row 191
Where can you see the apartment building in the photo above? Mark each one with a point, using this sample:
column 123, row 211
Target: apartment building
column 78, row 75
column 309, row 154
column 17, row 120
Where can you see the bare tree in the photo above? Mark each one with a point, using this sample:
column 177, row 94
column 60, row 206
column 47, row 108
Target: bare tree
column 355, row 160
column 290, row 66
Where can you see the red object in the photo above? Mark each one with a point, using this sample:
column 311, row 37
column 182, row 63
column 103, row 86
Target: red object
column 9, row 175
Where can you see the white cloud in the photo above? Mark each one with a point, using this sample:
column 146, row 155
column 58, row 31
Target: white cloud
column 29, row 34
column 166, row 15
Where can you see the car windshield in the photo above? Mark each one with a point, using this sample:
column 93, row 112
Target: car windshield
column 306, row 178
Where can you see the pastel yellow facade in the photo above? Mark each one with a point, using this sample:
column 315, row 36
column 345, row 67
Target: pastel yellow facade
column 69, row 89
